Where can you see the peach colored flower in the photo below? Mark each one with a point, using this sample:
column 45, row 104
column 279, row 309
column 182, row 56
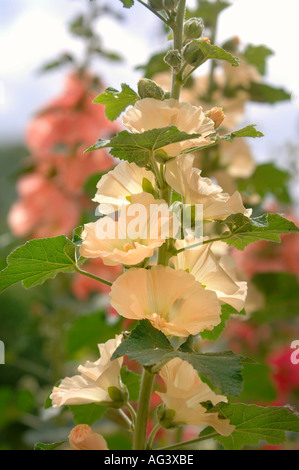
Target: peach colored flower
column 115, row 244
column 124, row 180
column 184, row 394
column 95, row 379
column 186, row 180
column 82, row 437
column 218, row 275
column 149, row 114
column 170, row 299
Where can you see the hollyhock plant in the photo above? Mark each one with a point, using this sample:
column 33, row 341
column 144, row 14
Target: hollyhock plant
column 175, row 292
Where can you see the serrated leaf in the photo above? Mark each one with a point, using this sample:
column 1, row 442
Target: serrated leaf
column 267, row 227
column 216, row 52
column 117, row 101
column 87, row 414
column 227, row 311
column 127, row 3
column 137, row 148
column 41, row 446
column 263, row 93
column 37, row 261
column 248, row 131
column 255, row 424
column 149, row 346
column 257, row 55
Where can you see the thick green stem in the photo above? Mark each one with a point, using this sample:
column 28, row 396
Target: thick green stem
column 177, row 29
column 139, row 442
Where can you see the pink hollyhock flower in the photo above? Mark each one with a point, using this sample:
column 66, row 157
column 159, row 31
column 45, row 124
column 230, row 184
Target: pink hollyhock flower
column 71, row 170
column 43, row 210
column 263, row 256
column 285, row 374
column 71, row 119
column 83, row 286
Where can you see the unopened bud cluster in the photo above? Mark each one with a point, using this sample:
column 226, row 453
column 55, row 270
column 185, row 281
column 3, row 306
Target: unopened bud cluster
column 173, row 59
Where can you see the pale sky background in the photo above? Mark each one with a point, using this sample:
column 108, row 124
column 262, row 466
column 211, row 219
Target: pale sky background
column 33, row 32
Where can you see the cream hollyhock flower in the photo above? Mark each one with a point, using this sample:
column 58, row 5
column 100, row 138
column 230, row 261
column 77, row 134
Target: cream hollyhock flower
column 237, row 158
column 186, row 180
column 124, row 180
column 141, row 228
column 82, row 437
column 95, row 379
column 172, row 300
column 149, row 114
column 216, row 274
column 185, row 393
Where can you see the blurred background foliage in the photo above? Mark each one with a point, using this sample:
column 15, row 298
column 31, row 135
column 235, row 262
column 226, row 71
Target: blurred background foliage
column 49, row 330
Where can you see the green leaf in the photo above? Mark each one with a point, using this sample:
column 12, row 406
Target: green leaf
column 227, row 311
column 117, row 101
column 257, row 55
column 263, row 93
column 150, row 346
column 258, row 386
column 132, row 382
column 248, row 131
column 255, row 424
column 87, row 414
column 40, row 446
column 127, row 3
column 216, row 52
column 267, row 179
column 137, row 148
column 281, row 297
column 59, row 62
column 267, row 227
column 37, row 261
column 88, row 331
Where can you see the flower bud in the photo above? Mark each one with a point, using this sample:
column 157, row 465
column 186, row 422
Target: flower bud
column 156, row 4
column 118, row 397
column 165, row 417
column 195, row 52
column 82, row 437
column 173, row 59
column 161, row 156
column 217, row 115
column 149, row 89
column 170, row 4
column 193, row 28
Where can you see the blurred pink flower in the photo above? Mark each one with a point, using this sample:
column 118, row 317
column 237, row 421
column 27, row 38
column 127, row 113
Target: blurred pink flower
column 70, row 120
column 43, row 210
column 285, row 374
